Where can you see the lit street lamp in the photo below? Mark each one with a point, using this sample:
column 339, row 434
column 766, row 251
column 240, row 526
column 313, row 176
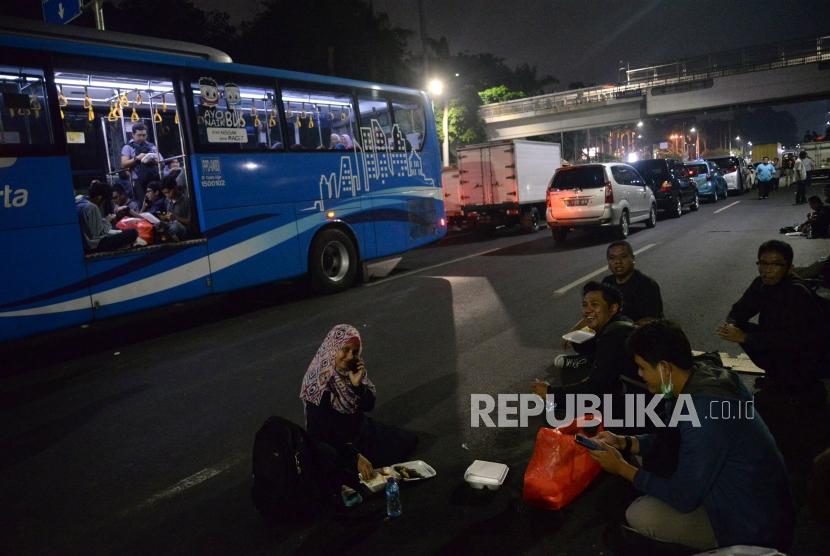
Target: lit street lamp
column 436, row 89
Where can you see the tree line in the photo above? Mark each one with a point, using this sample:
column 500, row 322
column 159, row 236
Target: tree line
column 344, row 38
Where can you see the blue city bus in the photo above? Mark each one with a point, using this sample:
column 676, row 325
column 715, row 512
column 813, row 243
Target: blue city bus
column 278, row 174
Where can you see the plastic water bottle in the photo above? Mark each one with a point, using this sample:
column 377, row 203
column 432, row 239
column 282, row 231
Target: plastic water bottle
column 393, row 498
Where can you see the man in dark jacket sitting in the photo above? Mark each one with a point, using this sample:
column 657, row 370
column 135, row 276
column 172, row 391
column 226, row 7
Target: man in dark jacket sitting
column 730, row 486
column 786, row 342
column 601, row 306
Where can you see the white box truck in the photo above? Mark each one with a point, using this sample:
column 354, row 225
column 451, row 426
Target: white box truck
column 505, row 183
column 452, row 196
column 819, row 151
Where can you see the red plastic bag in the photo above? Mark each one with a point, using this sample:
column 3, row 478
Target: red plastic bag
column 559, row 470
column 145, row 229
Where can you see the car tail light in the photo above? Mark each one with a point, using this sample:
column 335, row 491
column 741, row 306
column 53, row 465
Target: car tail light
column 691, row 172
column 609, row 193
column 665, row 186
column 512, row 212
column 442, row 223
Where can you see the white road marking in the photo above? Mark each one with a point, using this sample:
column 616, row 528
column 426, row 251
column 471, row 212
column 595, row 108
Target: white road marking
column 190, row 482
column 726, row 207
column 445, row 263
column 597, row 272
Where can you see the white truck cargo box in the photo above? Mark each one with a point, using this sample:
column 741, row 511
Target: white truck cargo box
column 505, row 183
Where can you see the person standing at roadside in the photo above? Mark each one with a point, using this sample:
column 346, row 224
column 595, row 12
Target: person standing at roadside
column 800, row 176
column 764, row 173
column 808, row 167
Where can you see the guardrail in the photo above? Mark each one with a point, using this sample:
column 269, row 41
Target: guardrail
column 744, row 60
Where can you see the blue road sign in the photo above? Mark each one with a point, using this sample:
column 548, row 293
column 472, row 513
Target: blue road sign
column 61, row 11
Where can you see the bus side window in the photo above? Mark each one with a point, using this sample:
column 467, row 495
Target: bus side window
column 24, row 115
column 235, row 116
column 318, row 119
column 375, row 121
column 409, row 117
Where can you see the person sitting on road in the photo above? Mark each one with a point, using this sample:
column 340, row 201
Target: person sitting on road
column 96, row 229
column 641, row 293
column 602, row 312
column 337, row 394
column 730, row 486
column 786, row 342
column 817, row 224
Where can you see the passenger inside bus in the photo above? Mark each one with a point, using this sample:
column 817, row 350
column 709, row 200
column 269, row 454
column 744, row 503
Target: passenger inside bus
column 96, row 229
column 142, row 158
column 177, row 209
column 117, row 126
column 154, row 201
column 124, row 206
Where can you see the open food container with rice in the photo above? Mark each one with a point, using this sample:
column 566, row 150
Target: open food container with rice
column 406, row 472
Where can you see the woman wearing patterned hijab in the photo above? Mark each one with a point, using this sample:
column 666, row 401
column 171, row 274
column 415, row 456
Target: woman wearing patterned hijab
column 337, row 393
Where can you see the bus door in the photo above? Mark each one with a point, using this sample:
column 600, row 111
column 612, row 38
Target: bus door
column 111, row 120
column 42, row 272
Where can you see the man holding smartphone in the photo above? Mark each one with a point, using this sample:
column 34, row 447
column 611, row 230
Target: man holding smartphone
column 730, row 486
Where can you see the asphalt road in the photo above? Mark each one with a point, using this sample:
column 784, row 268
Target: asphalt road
column 133, row 436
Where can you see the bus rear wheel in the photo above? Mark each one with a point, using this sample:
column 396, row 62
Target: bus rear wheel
column 332, row 262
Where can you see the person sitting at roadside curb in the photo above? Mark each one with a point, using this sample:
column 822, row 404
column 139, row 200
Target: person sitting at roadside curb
column 730, row 486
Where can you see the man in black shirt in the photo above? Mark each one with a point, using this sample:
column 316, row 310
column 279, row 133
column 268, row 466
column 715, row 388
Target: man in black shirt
column 601, row 311
column 818, row 222
column 642, row 301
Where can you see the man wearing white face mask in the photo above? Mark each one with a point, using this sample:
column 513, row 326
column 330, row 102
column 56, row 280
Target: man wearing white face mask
column 730, row 486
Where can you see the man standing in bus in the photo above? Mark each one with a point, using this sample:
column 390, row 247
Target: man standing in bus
column 142, row 158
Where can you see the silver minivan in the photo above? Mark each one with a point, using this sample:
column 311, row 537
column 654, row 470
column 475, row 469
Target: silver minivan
column 608, row 195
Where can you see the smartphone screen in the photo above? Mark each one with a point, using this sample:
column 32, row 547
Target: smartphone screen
column 588, row 443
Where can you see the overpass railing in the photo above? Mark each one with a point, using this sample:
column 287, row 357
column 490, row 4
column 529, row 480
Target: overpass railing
column 741, row 60
column 639, row 80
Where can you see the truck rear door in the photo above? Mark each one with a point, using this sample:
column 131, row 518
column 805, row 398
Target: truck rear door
column 472, row 177
column 503, row 184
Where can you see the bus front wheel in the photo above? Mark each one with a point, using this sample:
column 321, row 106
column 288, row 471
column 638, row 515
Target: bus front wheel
column 333, row 262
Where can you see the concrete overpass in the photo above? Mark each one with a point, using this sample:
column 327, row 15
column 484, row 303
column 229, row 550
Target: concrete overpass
column 795, row 70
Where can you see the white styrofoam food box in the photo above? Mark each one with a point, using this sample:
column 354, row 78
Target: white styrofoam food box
column 483, row 474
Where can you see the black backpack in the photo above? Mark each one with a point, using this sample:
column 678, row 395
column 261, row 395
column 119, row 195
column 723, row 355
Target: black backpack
column 284, row 471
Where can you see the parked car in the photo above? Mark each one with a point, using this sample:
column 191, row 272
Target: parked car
column 734, row 172
column 707, row 176
column 607, row 195
column 670, row 183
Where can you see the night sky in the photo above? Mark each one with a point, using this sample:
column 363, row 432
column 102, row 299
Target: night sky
column 583, row 40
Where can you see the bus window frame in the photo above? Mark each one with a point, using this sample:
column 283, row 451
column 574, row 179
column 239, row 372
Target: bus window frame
column 104, row 65
column 39, row 61
column 372, row 92
column 401, row 97
column 295, row 84
column 87, row 64
column 247, row 80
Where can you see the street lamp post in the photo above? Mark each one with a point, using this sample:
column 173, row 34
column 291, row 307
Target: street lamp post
column 436, row 89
